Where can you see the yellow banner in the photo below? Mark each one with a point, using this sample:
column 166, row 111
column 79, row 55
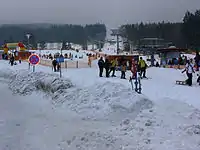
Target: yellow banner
column 12, row 44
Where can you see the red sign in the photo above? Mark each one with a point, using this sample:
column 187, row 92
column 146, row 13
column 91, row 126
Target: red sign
column 34, row 59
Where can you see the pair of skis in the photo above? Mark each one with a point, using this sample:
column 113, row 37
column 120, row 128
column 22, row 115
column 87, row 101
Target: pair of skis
column 138, row 86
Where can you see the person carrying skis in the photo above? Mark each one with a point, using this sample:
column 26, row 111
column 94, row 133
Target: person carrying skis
column 113, row 67
column 142, row 66
column 101, row 66
column 189, row 69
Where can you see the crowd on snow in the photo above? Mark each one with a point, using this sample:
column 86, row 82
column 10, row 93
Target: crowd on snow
column 66, row 56
column 191, row 66
column 182, row 60
column 110, row 66
column 50, row 56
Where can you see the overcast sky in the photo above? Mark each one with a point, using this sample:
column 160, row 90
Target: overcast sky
column 111, row 12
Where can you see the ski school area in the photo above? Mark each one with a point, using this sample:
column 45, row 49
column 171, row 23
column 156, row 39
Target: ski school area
column 165, row 74
column 117, row 103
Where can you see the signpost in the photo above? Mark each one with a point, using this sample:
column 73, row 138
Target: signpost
column 34, row 60
column 60, row 60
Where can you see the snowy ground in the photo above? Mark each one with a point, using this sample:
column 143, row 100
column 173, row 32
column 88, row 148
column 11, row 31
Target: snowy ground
column 40, row 111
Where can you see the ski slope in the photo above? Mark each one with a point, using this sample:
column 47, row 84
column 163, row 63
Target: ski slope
column 82, row 111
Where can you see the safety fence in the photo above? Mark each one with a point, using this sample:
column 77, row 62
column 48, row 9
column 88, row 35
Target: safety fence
column 69, row 63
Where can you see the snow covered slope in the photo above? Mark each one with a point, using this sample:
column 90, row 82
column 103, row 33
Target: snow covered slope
column 83, row 111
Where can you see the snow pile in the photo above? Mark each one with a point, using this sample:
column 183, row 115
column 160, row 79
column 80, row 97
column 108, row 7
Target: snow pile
column 104, row 99
column 101, row 100
column 24, row 82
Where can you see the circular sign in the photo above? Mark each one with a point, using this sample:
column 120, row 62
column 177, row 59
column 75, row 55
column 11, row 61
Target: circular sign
column 34, row 59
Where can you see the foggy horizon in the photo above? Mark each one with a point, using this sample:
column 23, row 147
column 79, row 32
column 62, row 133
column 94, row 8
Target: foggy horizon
column 112, row 13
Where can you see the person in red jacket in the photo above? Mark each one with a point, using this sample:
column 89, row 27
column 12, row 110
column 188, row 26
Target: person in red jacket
column 134, row 69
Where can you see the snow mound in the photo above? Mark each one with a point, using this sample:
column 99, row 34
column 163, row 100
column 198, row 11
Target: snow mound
column 106, row 98
column 24, row 82
column 101, row 100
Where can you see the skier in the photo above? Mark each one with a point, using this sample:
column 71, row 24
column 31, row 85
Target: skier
column 189, row 69
column 101, row 66
column 54, row 63
column 142, row 66
column 12, row 59
column 134, row 69
column 113, row 67
column 107, row 67
column 123, row 71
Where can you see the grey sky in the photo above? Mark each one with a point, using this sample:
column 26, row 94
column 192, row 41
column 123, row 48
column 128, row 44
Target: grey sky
column 111, row 12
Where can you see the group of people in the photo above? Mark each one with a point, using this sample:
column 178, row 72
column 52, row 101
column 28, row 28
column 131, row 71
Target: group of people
column 190, row 69
column 182, row 60
column 110, row 66
column 66, row 55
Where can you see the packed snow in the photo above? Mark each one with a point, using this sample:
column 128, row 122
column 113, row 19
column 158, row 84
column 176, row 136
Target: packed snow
column 39, row 110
